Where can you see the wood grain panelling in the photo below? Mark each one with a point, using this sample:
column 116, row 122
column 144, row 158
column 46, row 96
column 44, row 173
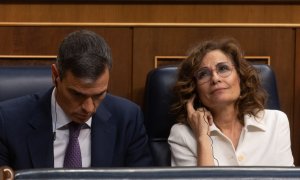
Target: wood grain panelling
column 46, row 40
column 296, row 125
column 151, row 42
column 143, row 12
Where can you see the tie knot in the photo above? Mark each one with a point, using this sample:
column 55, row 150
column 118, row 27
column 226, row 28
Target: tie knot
column 74, row 129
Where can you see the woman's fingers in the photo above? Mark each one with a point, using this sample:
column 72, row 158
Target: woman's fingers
column 190, row 106
column 210, row 120
column 199, row 119
column 206, row 114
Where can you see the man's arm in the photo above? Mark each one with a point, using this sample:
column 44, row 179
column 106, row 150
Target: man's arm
column 4, row 153
column 139, row 153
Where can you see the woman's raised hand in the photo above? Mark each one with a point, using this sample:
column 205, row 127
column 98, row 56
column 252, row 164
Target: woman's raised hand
column 199, row 119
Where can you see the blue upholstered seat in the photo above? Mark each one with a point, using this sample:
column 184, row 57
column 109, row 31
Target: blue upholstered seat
column 19, row 81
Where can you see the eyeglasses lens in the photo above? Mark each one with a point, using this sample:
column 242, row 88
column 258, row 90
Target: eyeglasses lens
column 205, row 73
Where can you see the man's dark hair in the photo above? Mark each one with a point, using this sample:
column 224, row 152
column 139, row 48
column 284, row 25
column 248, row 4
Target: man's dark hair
column 85, row 54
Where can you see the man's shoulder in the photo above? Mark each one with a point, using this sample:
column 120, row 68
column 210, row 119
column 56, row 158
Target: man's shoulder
column 119, row 107
column 18, row 101
column 22, row 103
column 117, row 101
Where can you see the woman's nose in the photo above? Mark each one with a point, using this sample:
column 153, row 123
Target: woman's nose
column 215, row 77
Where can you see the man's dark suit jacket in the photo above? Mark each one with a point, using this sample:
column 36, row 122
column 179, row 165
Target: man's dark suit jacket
column 118, row 136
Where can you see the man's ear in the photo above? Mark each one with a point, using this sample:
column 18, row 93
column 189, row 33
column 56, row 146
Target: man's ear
column 55, row 74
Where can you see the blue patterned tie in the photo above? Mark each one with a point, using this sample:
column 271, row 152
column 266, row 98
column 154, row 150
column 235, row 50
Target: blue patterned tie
column 73, row 153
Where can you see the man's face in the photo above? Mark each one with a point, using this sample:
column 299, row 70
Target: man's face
column 79, row 97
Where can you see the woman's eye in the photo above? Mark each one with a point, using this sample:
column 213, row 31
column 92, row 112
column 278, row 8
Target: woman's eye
column 223, row 68
column 203, row 74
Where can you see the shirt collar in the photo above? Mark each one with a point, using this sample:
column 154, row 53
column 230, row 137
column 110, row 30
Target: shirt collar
column 59, row 117
column 251, row 122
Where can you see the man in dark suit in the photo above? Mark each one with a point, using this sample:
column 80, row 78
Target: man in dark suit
column 35, row 130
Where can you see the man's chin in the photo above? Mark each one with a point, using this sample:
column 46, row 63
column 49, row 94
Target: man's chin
column 80, row 119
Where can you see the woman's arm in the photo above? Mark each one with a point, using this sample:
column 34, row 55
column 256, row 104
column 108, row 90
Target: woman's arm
column 199, row 121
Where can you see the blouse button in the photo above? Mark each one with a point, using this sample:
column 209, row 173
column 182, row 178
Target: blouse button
column 241, row 158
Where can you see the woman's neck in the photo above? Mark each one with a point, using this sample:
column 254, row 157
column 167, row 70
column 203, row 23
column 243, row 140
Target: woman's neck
column 227, row 121
column 225, row 116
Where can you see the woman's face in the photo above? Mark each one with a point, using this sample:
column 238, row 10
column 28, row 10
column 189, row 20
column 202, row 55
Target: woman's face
column 218, row 84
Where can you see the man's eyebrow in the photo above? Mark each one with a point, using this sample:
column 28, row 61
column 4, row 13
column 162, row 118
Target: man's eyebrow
column 75, row 91
column 99, row 94
column 83, row 94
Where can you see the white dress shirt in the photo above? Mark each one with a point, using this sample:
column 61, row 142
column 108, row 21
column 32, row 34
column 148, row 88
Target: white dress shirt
column 61, row 133
column 264, row 141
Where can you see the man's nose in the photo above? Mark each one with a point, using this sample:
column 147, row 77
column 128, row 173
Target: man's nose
column 88, row 105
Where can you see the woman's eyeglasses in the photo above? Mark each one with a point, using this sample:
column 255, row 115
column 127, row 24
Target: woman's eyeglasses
column 204, row 74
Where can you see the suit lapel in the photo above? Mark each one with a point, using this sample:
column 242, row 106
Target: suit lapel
column 102, row 138
column 40, row 141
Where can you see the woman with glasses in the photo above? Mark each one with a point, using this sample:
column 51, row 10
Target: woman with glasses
column 220, row 112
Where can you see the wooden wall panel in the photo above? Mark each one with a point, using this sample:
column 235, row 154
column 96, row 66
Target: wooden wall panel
column 43, row 41
column 296, row 125
column 150, row 12
column 151, row 42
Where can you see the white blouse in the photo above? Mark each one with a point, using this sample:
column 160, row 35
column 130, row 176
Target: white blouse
column 264, row 141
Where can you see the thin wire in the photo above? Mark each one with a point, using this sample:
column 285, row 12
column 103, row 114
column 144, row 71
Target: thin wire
column 212, row 142
column 55, row 120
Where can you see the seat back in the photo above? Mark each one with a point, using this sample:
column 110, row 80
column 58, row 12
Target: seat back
column 23, row 80
column 159, row 97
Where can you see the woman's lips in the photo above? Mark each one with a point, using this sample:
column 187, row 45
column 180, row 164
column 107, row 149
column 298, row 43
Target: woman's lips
column 217, row 90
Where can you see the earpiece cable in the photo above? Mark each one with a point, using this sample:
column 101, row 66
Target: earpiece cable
column 212, row 142
column 54, row 133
